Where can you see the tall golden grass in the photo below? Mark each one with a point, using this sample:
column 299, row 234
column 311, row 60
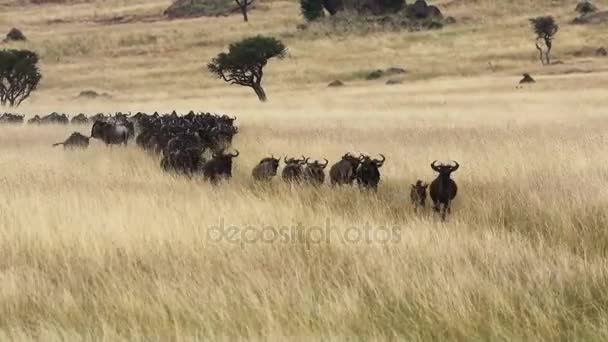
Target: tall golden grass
column 102, row 245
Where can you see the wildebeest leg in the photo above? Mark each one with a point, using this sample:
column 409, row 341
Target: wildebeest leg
column 436, row 206
column 445, row 210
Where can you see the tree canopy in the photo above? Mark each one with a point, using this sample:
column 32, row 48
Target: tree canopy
column 19, row 76
column 245, row 60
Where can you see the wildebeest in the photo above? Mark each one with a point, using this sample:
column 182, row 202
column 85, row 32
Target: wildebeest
column 418, row 194
column 75, row 140
column 109, row 133
column 35, row 120
column 368, row 173
column 345, row 170
column 80, row 119
column 55, row 118
column 293, row 170
column 183, row 153
column 266, row 169
column 219, row 167
column 8, row 118
column 314, row 173
column 443, row 189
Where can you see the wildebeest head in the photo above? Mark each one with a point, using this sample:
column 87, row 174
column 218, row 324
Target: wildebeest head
column 317, row 164
column 314, row 172
column 354, row 161
column 445, row 170
column 293, row 170
column 266, row 168
column 273, row 164
column 418, row 193
column 219, row 167
column 368, row 173
column 367, row 160
column 295, row 161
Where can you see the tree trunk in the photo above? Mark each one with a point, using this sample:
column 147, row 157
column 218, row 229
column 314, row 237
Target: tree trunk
column 548, row 52
column 540, row 52
column 244, row 11
column 259, row 92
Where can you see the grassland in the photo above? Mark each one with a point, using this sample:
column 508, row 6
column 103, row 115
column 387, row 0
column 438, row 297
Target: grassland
column 102, row 245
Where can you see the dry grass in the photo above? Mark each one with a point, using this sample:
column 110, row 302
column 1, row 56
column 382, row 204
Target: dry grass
column 100, row 244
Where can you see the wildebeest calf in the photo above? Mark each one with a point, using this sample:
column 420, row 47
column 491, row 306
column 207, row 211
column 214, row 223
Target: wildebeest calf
column 75, row 140
column 443, row 189
column 266, row 169
column 368, row 173
column 418, row 194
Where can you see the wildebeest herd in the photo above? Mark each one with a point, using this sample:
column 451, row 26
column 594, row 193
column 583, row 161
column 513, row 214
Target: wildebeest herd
column 200, row 144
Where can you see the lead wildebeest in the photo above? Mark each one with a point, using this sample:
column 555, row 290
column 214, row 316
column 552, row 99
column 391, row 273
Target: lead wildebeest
column 345, row 170
column 443, row 189
column 293, row 170
column 314, row 173
column 219, row 167
column 75, row 140
column 418, row 194
column 110, row 133
column 368, row 173
column 266, row 169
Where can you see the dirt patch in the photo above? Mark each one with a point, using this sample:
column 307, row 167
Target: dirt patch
column 202, row 8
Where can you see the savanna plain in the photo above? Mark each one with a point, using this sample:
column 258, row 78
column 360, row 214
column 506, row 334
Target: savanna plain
column 101, row 244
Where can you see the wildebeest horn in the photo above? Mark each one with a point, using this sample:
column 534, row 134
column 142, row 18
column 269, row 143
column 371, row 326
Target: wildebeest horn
column 285, row 160
column 434, row 167
column 380, row 162
column 236, row 154
column 306, row 161
column 326, row 163
column 456, row 166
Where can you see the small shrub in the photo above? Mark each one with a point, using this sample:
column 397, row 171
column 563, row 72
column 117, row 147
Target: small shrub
column 311, row 9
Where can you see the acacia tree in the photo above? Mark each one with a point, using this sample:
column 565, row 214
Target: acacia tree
column 19, row 76
column 245, row 61
column 545, row 29
column 244, row 5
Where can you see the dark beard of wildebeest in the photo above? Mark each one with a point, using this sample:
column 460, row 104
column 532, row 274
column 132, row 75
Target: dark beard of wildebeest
column 266, row 169
column 76, row 140
column 219, row 167
column 443, row 189
column 314, row 173
column 344, row 171
column 418, row 194
column 293, row 170
column 110, row 133
column 368, row 173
